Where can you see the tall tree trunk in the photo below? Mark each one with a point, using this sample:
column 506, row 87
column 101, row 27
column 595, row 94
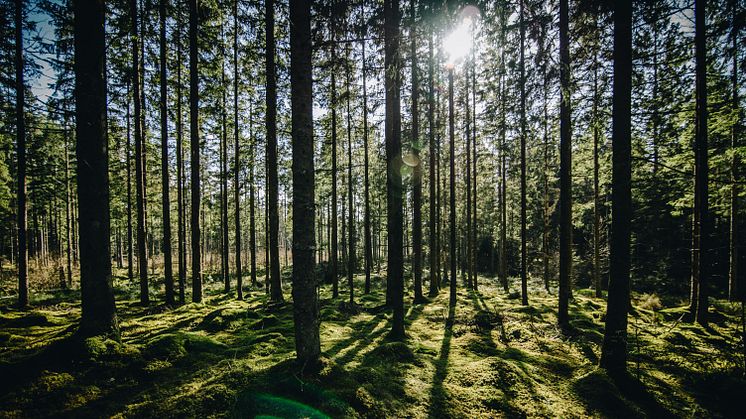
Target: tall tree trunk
column 734, row 288
column 181, row 222
column 467, row 183
column 417, row 173
column 503, row 158
column 23, row 297
column 368, row 244
column 432, row 221
column 335, row 215
column 271, row 126
column 68, row 209
column 545, row 179
column 596, row 189
column 236, row 156
column 98, row 314
column 522, row 82
column 252, row 197
column 351, row 262
column 565, row 170
column 142, row 257
column 701, row 166
column 225, row 248
column 266, row 234
column 614, row 348
column 305, row 297
column 451, row 191
column 474, row 246
column 166, row 187
column 196, row 191
column 394, row 188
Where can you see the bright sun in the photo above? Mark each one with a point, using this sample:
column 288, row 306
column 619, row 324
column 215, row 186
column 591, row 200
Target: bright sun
column 458, row 43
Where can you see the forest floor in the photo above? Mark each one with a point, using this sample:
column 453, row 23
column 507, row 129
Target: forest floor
column 490, row 357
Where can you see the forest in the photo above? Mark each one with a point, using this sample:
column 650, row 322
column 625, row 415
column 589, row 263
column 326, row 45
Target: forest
column 402, row 208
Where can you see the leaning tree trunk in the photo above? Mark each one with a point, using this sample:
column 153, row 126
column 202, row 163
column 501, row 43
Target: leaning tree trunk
column 98, row 314
column 305, row 298
column 614, row 348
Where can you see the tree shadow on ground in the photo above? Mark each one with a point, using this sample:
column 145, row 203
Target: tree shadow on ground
column 438, row 394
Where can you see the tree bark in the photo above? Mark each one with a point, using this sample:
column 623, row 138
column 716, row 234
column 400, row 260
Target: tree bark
column 335, row 214
column 196, row 191
column 503, row 159
column 367, row 233
column 701, row 166
column 225, row 245
column 252, row 198
column 236, row 157
column 596, row 189
column 522, row 82
column 614, row 348
column 474, row 246
column 565, row 170
column 165, row 186
column 734, row 288
column 417, row 172
column 432, row 221
column 23, row 297
column 467, row 183
column 394, row 189
column 271, row 126
column 451, row 191
column 181, row 222
column 142, row 256
column 68, row 209
column 98, row 314
column 305, row 298
column 351, row 262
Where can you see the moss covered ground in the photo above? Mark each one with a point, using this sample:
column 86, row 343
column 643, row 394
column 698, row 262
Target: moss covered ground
column 490, row 357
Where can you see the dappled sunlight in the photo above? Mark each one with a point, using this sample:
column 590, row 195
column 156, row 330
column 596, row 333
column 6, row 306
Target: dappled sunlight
column 490, row 356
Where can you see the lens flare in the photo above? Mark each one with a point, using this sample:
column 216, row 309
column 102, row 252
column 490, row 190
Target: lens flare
column 458, row 43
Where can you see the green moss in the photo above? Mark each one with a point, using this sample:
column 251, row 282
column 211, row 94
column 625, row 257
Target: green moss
column 601, row 396
column 493, row 358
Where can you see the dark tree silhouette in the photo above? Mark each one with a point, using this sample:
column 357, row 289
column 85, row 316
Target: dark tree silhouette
column 98, row 315
column 614, row 348
column 394, row 189
column 305, row 299
column 195, row 151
